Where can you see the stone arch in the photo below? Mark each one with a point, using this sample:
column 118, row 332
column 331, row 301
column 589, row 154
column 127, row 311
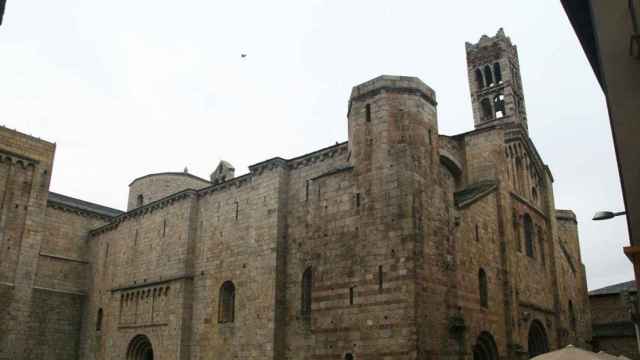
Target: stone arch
column 485, row 347
column 538, row 342
column 140, row 348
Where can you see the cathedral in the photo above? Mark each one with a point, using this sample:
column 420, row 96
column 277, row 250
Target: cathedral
column 401, row 243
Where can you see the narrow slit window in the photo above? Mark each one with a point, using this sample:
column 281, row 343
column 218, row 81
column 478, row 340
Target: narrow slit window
column 307, row 286
column 237, row 209
column 306, row 191
column 367, row 110
column 529, row 235
column 99, row 320
column 164, row 227
column 357, row 199
column 380, row 277
column 484, row 292
column 477, row 233
column 351, row 295
column 226, row 305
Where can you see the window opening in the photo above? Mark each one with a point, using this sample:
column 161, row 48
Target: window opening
column 351, row 295
column 307, row 285
column 487, row 111
column 380, row 274
column 479, row 79
column 226, row 302
column 497, row 73
column 487, row 76
column 367, row 110
column 529, row 235
column 140, row 200
column 482, row 281
column 99, row 320
column 498, row 105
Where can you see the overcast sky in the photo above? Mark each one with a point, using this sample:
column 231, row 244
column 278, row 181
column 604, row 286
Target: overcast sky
column 127, row 88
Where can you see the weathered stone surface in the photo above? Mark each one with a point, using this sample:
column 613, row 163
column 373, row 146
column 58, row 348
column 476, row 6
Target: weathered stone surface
column 400, row 228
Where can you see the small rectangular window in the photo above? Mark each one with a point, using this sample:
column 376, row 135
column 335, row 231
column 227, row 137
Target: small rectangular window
column 477, row 233
column 164, row 227
column 237, row 209
column 380, row 273
column 357, row 199
column 367, row 110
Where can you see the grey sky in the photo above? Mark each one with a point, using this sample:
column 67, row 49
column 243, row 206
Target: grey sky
column 127, row 88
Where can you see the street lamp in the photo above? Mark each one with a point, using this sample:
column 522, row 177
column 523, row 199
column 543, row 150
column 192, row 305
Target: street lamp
column 604, row 215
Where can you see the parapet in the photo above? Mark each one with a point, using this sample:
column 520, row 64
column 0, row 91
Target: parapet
column 405, row 84
column 487, row 40
column 566, row 215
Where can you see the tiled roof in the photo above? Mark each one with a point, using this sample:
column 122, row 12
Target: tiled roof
column 615, row 288
column 82, row 205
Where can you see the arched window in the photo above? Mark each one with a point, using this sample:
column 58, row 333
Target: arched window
column 529, row 235
column 572, row 316
column 479, row 79
column 307, row 285
column 487, row 111
column 498, row 105
column 497, row 73
column 227, row 302
column 348, row 356
column 484, row 292
column 488, row 78
column 140, row 200
column 99, row 320
column 485, row 348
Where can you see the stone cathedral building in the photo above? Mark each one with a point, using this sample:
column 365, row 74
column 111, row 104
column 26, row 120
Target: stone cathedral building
column 401, row 243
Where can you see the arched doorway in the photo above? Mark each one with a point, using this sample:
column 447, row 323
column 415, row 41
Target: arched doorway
column 538, row 343
column 140, row 348
column 485, row 348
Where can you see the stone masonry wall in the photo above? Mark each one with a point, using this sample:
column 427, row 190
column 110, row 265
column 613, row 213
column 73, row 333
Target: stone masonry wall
column 25, row 170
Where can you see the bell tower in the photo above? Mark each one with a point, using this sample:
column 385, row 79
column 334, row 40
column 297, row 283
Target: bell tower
column 494, row 81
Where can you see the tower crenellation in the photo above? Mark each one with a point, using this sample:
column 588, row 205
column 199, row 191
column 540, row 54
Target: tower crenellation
column 495, row 82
